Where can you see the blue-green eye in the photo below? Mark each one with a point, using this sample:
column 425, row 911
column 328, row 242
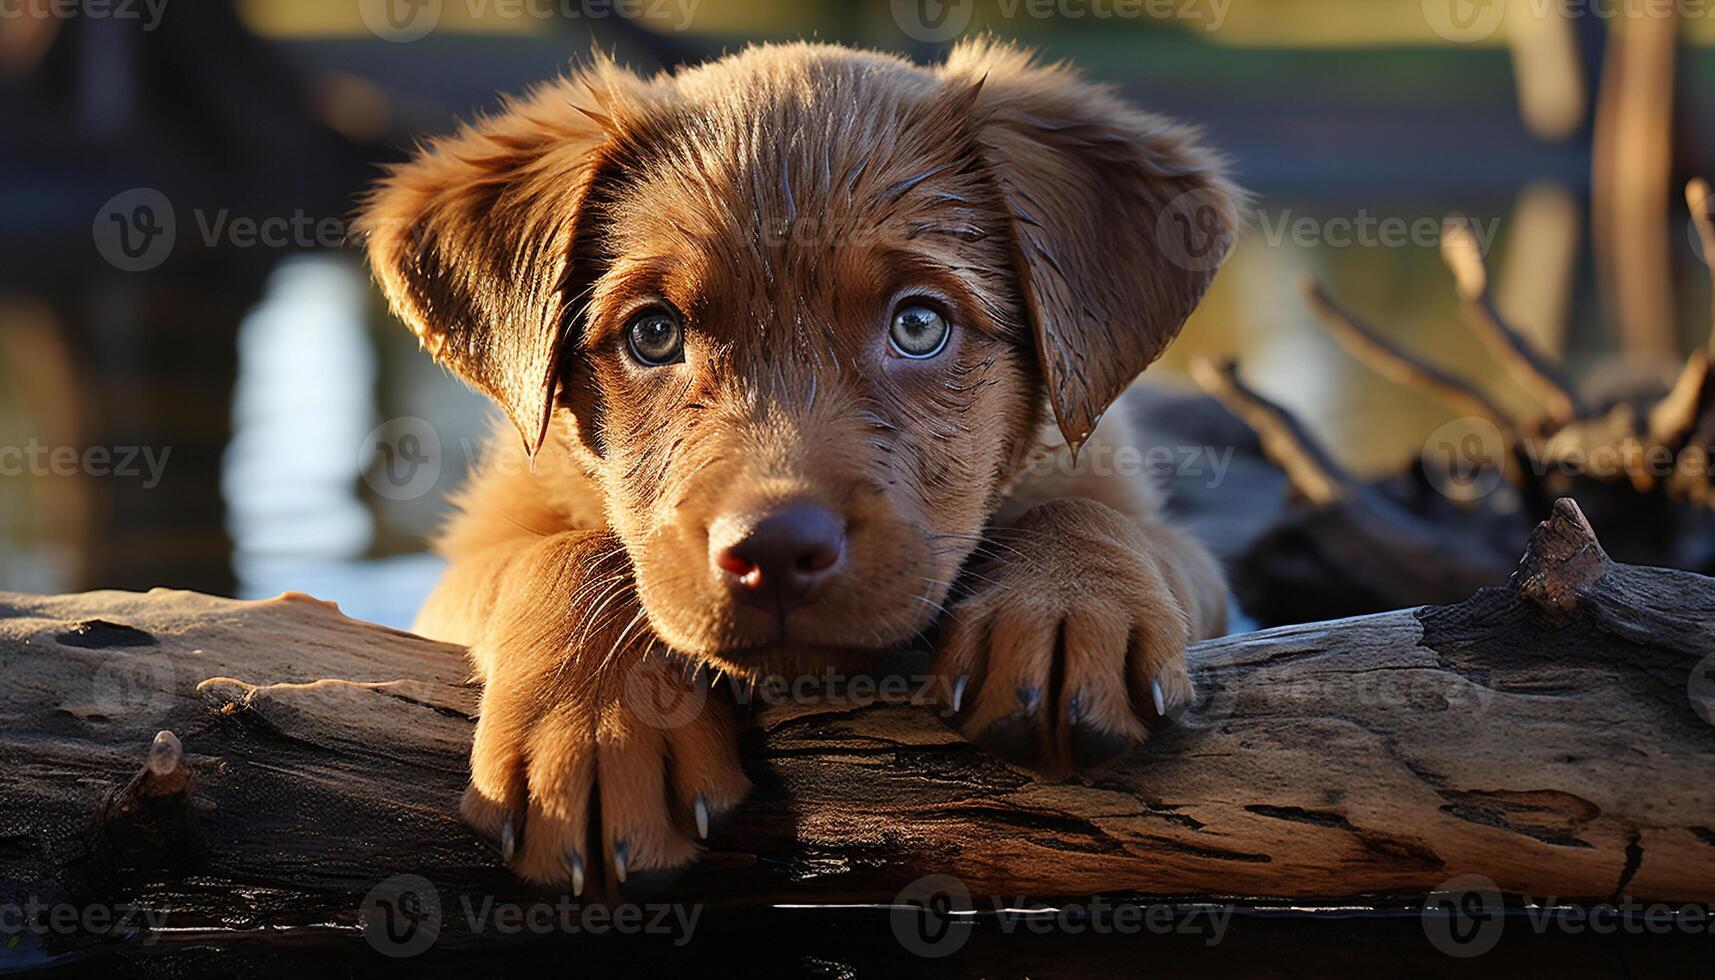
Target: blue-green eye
column 654, row 337
column 918, row 331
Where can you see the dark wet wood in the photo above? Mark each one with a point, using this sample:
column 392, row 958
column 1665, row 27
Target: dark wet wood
column 1544, row 734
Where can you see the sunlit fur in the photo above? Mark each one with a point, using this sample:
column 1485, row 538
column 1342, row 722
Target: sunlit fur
column 785, row 201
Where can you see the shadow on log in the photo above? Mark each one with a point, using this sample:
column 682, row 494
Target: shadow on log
column 1553, row 735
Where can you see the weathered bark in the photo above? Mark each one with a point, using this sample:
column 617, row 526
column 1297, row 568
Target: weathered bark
column 1547, row 735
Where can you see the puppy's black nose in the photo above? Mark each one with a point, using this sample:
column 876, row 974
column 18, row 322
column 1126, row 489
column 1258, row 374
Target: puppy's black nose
column 786, row 559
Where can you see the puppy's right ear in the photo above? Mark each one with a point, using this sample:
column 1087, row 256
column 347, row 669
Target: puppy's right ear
column 473, row 240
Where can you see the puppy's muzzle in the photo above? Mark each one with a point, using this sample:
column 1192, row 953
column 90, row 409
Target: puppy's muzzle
column 782, row 561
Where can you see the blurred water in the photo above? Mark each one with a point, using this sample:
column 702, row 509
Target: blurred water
column 306, row 383
column 319, row 368
column 307, row 389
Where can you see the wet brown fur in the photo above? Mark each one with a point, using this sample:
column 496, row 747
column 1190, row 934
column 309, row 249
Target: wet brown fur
column 785, row 199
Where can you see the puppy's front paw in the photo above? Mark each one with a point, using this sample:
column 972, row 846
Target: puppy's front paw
column 604, row 778
column 1070, row 646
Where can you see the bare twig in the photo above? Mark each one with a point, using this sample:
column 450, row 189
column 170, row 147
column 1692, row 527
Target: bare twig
column 1391, row 361
column 1309, row 468
column 1697, row 199
column 1515, row 352
column 1672, row 419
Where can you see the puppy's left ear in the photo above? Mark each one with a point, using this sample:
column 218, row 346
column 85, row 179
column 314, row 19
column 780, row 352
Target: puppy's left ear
column 474, row 239
column 1119, row 218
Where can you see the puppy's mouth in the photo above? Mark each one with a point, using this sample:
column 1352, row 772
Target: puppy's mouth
column 780, row 652
column 797, row 587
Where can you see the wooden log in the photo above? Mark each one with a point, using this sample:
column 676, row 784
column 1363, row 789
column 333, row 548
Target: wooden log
column 1553, row 735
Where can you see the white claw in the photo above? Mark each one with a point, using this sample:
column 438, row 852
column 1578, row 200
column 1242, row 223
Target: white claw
column 959, row 691
column 577, row 875
column 164, row 753
column 508, row 840
column 702, row 811
column 1160, row 701
column 620, row 852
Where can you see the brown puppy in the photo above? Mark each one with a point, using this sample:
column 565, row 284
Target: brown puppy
column 796, row 341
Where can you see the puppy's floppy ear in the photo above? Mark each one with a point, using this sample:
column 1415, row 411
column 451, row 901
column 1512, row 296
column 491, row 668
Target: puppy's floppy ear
column 1119, row 220
column 473, row 239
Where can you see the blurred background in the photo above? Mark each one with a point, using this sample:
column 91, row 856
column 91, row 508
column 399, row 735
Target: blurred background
column 201, row 388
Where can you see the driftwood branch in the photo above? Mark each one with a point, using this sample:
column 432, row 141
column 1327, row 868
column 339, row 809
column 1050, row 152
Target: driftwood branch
column 1638, row 461
column 1311, row 471
column 1553, row 735
column 1697, row 199
column 1534, row 373
column 1394, row 362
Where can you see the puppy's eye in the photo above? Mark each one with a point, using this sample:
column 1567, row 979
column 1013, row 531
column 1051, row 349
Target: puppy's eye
column 918, row 332
column 654, row 337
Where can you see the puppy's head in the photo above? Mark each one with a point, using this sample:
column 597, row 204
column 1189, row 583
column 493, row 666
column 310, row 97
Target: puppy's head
column 803, row 310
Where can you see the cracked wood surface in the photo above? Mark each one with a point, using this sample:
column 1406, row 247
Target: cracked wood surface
column 1545, row 735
